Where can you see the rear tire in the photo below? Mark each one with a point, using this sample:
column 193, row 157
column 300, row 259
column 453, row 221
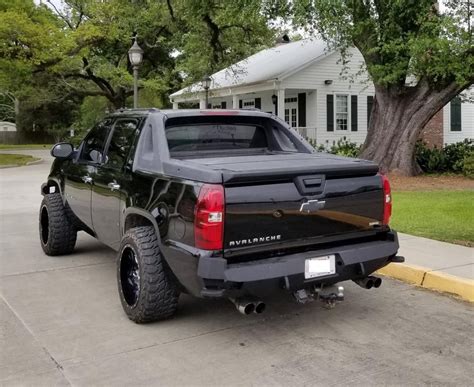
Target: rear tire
column 147, row 289
column 57, row 232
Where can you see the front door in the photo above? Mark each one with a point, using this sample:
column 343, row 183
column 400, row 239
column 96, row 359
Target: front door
column 78, row 173
column 291, row 111
column 108, row 182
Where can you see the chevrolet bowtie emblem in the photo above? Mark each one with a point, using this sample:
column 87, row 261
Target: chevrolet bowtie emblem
column 312, row 206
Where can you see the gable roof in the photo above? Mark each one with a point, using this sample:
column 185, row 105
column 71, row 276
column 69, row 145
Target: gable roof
column 270, row 64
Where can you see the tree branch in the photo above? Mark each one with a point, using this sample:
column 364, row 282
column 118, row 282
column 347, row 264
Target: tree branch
column 64, row 18
column 102, row 83
column 170, row 10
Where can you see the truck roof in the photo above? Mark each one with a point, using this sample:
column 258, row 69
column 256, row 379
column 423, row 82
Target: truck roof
column 171, row 113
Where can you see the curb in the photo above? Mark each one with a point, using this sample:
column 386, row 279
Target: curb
column 430, row 279
column 40, row 160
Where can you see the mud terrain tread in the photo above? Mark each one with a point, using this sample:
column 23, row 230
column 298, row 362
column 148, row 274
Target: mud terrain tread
column 158, row 298
column 62, row 232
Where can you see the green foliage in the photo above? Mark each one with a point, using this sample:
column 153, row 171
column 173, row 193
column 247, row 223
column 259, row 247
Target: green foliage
column 451, row 158
column 456, row 154
column 398, row 39
column 342, row 147
column 91, row 111
column 57, row 56
column 345, row 148
column 468, row 165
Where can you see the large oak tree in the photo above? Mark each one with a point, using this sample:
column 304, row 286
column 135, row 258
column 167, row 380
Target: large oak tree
column 417, row 55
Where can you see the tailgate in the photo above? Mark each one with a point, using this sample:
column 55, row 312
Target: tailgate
column 310, row 207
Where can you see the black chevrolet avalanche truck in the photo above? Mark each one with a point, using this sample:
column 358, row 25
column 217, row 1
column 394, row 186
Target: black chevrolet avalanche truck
column 217, row 204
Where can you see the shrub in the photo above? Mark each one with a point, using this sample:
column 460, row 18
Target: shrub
column 456, row 153
column 345, row 148
column 430, row 160
column 451, row 158
column 468, row 165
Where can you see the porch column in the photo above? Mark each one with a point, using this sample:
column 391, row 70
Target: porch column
column 235, row 102
column 202, row 103
column 175, row 106
column 281, row 104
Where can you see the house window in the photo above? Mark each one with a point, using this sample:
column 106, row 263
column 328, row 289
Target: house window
column 456, row 114
column 293, row 118
column 247, row 103
column 291, row 99
column 342, row 112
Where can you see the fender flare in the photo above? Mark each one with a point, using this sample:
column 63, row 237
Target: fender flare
column 143, row 213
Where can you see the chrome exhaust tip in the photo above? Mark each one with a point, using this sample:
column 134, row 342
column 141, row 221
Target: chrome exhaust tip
column 243, row 305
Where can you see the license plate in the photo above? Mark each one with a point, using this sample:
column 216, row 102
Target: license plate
column 320, row 266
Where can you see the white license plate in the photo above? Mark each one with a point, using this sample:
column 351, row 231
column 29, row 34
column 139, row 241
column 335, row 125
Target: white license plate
column 320, row 266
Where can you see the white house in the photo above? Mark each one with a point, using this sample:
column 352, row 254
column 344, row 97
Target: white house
column 6, row 126
column 301, row 82
column 458, row 119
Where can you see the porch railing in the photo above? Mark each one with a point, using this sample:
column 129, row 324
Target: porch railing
column 308, row 132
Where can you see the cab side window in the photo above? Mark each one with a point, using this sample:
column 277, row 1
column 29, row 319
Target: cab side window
column 94, row 143
column 122, row 140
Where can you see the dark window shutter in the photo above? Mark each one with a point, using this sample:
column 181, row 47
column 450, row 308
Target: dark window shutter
column 330, row 112
column 354, row 113
column 258, row 103
column 240, row 104
column 456, row 114
column 370, row 103
column 302, row 109
column 223, row 105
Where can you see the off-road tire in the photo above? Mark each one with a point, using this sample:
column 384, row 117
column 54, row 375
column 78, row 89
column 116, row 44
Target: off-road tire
column 56, row 230
column 157, row 294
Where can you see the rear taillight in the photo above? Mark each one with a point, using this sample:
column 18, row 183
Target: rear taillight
column 209, row 218
column 387, row 200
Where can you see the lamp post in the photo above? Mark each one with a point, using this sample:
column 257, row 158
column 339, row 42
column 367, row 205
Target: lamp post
column 135, row 55
column 206, row 84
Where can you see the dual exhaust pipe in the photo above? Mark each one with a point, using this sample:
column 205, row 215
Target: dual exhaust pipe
column 369, row 282
column 248, row 305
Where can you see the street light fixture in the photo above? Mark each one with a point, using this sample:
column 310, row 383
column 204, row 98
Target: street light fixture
column 206, row 84
column 135, row 55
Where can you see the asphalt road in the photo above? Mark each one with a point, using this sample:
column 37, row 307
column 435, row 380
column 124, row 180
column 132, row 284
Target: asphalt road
column 62, row 323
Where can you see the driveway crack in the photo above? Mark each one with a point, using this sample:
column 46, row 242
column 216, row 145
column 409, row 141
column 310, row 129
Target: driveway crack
column 58, row 366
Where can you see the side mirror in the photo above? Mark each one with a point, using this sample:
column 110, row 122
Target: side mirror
column 62, row 150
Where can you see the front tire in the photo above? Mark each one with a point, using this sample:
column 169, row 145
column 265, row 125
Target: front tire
column 147, row 289
column 57, row 232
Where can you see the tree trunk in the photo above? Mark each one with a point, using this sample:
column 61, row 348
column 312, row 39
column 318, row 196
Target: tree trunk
column 396, row 122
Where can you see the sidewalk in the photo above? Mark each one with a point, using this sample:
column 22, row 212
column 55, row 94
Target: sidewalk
column 435, row 265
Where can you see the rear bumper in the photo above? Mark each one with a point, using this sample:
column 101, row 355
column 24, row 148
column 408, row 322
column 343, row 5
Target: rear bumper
column 353, row 261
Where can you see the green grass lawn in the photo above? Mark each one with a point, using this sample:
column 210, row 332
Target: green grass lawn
column 25, row 146
column 443, row 215
column 14, row 159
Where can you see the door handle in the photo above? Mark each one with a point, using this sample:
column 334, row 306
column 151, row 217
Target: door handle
column 87, row 179
column 113, row 186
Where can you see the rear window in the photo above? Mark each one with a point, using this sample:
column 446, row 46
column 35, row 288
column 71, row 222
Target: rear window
column 209, row 137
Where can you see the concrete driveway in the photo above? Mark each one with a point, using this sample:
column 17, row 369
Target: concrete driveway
column 62, row 324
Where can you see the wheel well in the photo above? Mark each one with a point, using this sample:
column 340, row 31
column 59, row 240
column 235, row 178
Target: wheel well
column 136, row 220
column 48, row 185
